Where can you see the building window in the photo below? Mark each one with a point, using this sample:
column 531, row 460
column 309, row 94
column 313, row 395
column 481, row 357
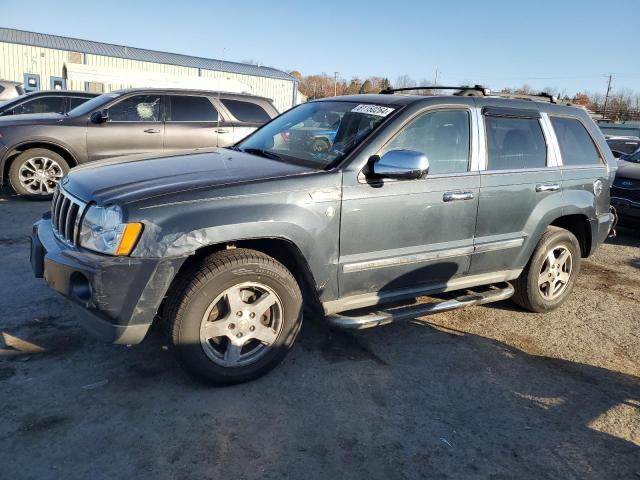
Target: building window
column 58, row 83
column 31, row 82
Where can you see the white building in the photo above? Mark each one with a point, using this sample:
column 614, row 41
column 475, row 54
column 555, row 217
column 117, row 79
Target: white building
column 44, row 61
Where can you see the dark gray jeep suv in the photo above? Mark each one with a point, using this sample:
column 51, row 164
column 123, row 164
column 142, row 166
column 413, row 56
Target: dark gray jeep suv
column 36, row 151
column 415, row 196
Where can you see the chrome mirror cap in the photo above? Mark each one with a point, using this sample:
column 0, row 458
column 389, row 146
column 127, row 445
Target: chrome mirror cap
column 401, row 164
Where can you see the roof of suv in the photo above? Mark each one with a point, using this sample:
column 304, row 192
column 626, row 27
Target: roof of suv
column 406, row 99
column 61, row 93
column 187, row 90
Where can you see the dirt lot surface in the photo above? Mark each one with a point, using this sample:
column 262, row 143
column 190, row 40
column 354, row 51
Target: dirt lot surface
column 487, row 392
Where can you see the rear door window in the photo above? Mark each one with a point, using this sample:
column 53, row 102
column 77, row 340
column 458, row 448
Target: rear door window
column 515, row 143
column 192, row 109
column 41, row 105
column 246, row 111
column 576, row 145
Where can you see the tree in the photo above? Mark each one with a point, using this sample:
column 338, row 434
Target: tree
column 581, row 99
column 405, row 81
column 367, row 87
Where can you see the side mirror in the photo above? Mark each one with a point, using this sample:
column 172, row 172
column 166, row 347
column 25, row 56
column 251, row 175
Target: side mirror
column 401, row 164
column 101, row 116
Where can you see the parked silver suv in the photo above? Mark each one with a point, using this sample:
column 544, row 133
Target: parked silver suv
column 36, row 151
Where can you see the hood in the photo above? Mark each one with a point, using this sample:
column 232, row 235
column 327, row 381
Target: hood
column 629, row 170
column 31, row 119
column 128, row 179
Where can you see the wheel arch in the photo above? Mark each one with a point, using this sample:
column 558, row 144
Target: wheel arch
column 281, row 249
column 579, row 225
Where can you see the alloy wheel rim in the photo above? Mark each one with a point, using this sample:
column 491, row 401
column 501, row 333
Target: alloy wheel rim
column 241, row 325
column 555, row 273
column 40, row 175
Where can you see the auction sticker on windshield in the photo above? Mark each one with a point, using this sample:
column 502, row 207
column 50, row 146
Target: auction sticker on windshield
column 378, row 110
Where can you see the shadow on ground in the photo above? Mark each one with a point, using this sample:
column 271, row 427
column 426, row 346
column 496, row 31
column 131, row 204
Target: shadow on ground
column 405, row 401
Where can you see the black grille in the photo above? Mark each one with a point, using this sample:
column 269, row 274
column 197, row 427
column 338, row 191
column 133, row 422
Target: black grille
column 65, row 216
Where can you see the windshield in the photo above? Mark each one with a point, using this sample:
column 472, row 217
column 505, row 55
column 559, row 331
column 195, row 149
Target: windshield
column 316, row 133
column 92, row 104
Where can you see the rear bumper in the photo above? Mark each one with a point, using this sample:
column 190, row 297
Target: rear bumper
column 626, row 208
column 119, row 296
column 600, row 228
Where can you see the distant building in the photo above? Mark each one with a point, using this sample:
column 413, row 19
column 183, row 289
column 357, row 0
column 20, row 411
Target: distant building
column 45, row 61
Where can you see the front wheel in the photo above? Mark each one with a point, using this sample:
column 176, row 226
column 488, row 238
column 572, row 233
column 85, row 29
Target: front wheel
column 234, row 316
column 36, row 172
column 551, row 273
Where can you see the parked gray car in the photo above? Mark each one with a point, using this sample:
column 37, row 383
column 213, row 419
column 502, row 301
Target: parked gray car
column 45, row 101
column 36, row 151
column 10, row 90
column 416, row 196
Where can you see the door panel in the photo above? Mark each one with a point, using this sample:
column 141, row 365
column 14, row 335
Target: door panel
column 190, row 135
column 404, row 234
column 134, row 127
column 509, row 211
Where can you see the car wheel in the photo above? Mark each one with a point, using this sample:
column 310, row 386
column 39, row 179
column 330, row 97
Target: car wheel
column 320, row 145
column 36, row 172
column 233, row 316
column 551, row 273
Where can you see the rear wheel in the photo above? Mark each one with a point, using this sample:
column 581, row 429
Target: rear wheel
column 551, row 273
column 36, row 172
column 234, row 316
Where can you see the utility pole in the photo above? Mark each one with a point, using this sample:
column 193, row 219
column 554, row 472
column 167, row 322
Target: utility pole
column 335, row 84
column 435, row 77
column 606, row 98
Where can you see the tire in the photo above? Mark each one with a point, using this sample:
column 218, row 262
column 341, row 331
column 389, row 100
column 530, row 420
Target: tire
column 35, row 173
column 232, row 278
column 560, row 281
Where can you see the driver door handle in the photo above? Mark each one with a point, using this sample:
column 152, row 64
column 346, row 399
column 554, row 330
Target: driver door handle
column 457, row 196
column 152, row 130
column 547, row 187
column 222, row 130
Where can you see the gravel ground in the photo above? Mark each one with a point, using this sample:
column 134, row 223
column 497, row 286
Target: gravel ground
column 487, row 392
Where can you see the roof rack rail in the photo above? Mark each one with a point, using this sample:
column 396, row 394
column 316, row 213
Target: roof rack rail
column 533, row 96
column 476, row 88
column 476, row 91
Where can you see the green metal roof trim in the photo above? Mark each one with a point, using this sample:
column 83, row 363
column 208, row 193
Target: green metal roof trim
column 44, row 40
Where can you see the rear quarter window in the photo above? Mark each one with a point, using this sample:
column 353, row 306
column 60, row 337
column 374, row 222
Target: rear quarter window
column 246, row 111
column 576, row 145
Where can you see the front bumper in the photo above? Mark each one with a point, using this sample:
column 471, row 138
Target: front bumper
column 119, row 296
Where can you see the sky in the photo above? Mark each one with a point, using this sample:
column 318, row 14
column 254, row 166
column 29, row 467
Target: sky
column 567, row 44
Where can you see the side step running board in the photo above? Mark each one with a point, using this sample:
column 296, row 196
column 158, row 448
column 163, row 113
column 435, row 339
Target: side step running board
column 384, row 317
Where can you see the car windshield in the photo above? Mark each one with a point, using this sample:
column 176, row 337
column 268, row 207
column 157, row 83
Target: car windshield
column 92, row 104
column 317, row 133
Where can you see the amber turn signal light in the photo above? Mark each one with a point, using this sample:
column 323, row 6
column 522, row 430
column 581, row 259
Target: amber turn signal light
column 129, row 238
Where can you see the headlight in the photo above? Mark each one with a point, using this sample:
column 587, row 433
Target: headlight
column 103, row 231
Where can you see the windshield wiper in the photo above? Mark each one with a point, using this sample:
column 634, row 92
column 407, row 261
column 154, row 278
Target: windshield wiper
column 262, row 153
